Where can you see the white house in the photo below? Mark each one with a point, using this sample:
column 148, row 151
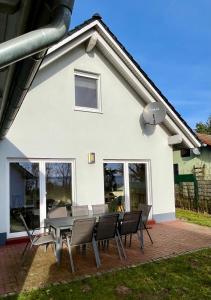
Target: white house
column 79, row 137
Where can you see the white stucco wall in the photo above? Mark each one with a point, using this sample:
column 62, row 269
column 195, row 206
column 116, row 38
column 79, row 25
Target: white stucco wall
column 48, row 127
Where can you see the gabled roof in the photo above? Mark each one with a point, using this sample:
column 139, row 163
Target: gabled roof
column 205, row 138
column 107, row 40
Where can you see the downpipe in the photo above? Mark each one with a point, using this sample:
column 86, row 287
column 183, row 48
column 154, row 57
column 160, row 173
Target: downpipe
column 40, row 39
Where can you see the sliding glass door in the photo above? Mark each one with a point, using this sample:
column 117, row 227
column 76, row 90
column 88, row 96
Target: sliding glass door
column 35, row 187
column 137, row 185
column 114, row 186
column 125, row 185
column 24, row 195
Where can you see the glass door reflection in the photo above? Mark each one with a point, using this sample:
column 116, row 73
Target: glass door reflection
column 58, row 185
column 137, row 185
column 24, row 195
column 114, row 186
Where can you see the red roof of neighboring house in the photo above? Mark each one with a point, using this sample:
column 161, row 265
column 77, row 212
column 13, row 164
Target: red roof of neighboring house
column 205, row 138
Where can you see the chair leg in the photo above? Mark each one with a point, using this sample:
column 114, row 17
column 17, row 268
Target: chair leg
column 46, row 247
column 96, row 253
column 104, row 245
column 107, row 244
column 141, row 241
column 24, row 251
column 148, row 233
column 83, row 249
column 70, row 254
column 117, row 243
column 121, row 244
column 130, row 240
column 53, row 248
column 125, row 240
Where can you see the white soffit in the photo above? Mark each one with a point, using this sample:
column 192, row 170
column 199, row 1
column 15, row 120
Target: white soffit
column 92, row 42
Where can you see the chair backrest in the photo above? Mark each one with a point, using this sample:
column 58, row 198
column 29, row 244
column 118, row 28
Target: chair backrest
column 80, row 210
column 130, row 222
column 106, row 227
column 99, row 209
column 145, row 209
column 58, row 212
column 82, row 231
column 26, row 227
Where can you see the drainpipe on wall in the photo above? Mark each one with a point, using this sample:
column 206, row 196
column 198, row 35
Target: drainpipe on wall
column 35, row 41
column 31, row 47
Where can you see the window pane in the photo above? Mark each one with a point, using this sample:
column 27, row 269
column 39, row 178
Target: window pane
column 24, row 195
column 85, row 92
column 137, row 185
column 58, row 185
column 114, row 186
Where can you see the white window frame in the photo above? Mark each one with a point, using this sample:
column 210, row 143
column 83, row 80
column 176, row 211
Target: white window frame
column 97, row 77
column 42, row 188
column 126, row 163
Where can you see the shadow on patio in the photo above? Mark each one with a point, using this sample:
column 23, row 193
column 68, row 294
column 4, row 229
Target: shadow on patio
column 40, row 268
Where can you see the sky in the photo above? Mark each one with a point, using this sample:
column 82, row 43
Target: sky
column 170, row 39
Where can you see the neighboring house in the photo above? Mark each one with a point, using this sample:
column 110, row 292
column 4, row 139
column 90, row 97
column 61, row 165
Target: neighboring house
column 195, row 166
column 80, row 139
column 186, row 162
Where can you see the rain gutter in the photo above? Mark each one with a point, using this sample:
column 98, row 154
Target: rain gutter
column 31, row 47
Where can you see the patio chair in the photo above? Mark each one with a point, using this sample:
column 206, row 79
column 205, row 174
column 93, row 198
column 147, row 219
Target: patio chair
column 38, row 239
column 129, row 225
column 58, row 212
column 80, row 210
column 99, row 209
column 145, row 209
column 82, row 234
column 107, row 230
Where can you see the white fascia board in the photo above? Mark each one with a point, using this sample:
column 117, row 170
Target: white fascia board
column 72, row 37
column 146, row 83
column 66, row 47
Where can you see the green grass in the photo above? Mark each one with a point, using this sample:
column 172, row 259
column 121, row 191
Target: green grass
column 183, row 277
column 194, row 217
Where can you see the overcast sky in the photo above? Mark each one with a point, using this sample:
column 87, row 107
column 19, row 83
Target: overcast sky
column 170, row 39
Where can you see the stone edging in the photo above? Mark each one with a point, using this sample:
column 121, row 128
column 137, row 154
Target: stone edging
column 97, row 274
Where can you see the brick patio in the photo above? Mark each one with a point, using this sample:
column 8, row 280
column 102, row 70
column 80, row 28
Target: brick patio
column 41, row 269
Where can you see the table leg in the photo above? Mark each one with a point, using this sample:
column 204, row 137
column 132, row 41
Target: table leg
column 142, row 235
column 58, row 246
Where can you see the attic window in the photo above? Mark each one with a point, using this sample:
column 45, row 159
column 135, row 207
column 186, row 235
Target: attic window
column 87, row 92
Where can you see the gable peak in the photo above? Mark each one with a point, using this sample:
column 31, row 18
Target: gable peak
column 97, row 16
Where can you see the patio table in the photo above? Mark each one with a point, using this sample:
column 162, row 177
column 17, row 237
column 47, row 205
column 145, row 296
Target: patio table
column 59, row 224
column 63, row 223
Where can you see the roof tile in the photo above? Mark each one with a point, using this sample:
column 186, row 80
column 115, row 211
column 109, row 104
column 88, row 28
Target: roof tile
column 205, row 138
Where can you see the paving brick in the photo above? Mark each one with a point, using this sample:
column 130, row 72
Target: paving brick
column 40, row 268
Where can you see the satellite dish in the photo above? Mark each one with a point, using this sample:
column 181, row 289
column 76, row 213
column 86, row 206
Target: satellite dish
column 196, row 151
column 154, row 113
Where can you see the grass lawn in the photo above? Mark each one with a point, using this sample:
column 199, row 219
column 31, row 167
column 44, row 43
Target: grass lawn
column 194, row 217
column 183, row 277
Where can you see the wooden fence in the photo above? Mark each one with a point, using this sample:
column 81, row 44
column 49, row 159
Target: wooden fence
column 184, row 194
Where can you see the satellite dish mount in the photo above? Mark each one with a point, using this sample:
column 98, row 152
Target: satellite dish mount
column 154, row 113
